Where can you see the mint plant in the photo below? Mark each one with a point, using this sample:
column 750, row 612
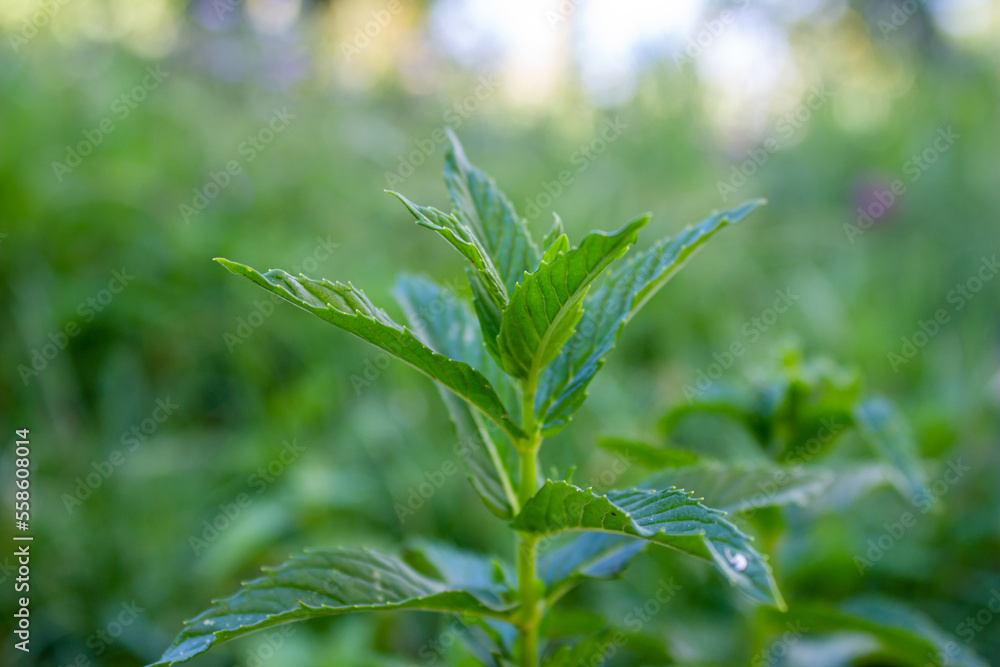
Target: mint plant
column 512, row 368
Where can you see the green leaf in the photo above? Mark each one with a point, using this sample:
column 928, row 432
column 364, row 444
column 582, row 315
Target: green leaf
column 324, row 583
column 647, row 455
column 586, row 556
column 346, row 307
column 745, row 487
column 488, row 212
column 546, row 305
column 444, row 323
column 460, row 568
column 903, row 631
column 558, row 247
column 671, row 518
column 563, row 385
column 888, row 434
column 488, row 291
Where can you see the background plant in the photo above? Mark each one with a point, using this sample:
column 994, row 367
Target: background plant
column 61, row 240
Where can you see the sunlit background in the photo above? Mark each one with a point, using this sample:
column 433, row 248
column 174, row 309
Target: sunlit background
column 141, row 138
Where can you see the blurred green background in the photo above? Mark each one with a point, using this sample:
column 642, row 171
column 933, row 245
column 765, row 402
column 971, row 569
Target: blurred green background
column 139, row 139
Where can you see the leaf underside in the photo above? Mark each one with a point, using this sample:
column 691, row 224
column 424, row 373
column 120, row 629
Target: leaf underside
column 902, row 630
column 588, row 556
column 444, row 323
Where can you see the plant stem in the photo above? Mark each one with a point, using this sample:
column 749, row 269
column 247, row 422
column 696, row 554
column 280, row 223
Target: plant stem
column 526, row 566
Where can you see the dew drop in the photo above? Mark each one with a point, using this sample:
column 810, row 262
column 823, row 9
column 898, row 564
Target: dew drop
column 737, row 560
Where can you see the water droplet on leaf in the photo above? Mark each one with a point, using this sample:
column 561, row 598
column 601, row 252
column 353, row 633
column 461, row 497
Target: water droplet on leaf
column 737, row 560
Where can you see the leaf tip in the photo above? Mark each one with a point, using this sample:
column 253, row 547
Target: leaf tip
column 454, row 149
column 229, row 264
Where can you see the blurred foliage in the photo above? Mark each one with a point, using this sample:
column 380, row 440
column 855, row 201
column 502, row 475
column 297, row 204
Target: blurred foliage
column 248, row 375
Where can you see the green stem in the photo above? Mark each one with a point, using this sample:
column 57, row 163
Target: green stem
column 526, row 544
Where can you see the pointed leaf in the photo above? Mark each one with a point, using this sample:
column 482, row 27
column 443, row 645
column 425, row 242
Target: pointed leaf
column 324, row 583
column 671, row 518
column 346, row 307
column 745, row 487
column 546, row 305
column 444, row 324
column 888, row 434
column 488, row 290
column 488, row 212
column 563, row 386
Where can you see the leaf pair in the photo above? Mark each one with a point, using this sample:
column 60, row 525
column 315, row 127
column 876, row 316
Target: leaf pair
column 330, row 582
column 563, row 384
